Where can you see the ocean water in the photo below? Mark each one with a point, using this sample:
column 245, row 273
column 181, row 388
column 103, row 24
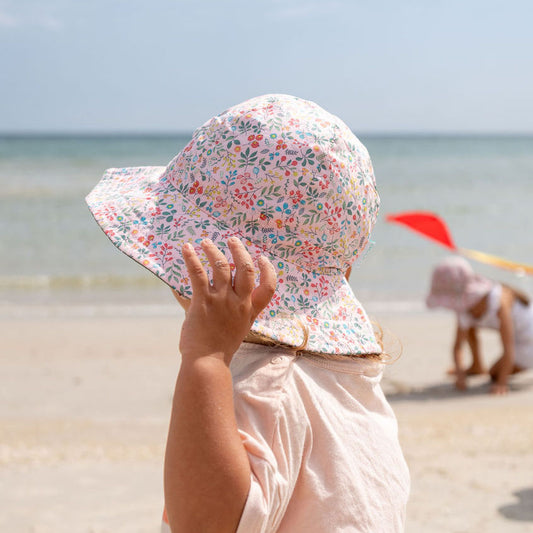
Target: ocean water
column 53, row 255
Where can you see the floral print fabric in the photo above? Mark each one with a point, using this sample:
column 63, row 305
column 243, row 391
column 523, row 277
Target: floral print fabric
column 287, row 178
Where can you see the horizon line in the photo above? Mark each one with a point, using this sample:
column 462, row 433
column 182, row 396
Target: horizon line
column 188, row 133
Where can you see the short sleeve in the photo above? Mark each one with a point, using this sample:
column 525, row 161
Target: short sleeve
column 273, row 433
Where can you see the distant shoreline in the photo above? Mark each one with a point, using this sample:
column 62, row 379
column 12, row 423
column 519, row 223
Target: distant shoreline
column 62, row 135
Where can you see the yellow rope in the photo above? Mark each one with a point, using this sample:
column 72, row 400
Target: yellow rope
column 520, row 268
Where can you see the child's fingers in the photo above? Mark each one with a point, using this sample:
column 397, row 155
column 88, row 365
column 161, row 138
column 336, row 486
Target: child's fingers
column 219, row 264
column 244, row 280
column 197, row 274
column 267, row 285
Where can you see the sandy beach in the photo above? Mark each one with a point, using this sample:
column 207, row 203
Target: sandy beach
column 84, row 406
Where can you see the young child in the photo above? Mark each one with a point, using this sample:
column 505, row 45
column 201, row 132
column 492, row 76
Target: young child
column 289, row 430
column 482, row 303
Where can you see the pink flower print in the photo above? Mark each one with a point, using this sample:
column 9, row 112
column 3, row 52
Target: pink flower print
column 145, row 240
column 334, row 228
column 324, row 182
column 196, row 188
column 249, row 201
column 167, row 250
column 333, row 336
column 177, row 222
column 219, row 202
column 342, row 315
column 296, row 196
column 254, row 140
column 309, row 250
column 245, row 193
column 334, row 213
column 276, row 300
column 323, row 286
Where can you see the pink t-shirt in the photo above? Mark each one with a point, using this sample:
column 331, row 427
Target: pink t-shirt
column 322, row 442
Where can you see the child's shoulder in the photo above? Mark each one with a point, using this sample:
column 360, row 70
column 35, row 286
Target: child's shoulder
column 265, row 369
column 269, row 370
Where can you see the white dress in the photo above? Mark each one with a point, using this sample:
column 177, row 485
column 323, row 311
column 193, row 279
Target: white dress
column 522, row 323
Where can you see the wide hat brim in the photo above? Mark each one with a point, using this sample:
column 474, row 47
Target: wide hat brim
column 144, row 216
column 448, row 301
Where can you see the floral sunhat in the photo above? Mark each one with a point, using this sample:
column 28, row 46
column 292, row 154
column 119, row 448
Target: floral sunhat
column 286, row 177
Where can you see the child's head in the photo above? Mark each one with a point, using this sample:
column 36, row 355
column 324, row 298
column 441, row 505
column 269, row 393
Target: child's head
column 287, row 178
column 456, row 286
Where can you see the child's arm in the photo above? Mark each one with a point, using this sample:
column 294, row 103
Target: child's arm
column 506, row 363
column 207, row 472
column 460, row 373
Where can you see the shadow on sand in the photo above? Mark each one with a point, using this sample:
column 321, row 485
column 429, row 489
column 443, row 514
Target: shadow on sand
column 521, row 510
column 396, row 391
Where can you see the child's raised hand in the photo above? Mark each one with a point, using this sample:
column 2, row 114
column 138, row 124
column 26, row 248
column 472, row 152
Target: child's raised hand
column 222, row 311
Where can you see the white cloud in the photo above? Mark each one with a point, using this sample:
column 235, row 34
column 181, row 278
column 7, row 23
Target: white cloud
column 7, row 20
column 12, row 16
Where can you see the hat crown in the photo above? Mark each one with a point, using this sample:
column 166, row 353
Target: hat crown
column 452, row 276
column 285, row 175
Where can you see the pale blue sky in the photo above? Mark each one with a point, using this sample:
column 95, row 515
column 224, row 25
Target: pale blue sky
column 168, row 65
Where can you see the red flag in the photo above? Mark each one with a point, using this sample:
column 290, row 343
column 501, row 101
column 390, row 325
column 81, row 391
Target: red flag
column 434, row 228
column 427, row 224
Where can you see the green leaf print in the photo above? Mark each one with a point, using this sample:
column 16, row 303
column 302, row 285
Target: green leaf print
column 247, row 157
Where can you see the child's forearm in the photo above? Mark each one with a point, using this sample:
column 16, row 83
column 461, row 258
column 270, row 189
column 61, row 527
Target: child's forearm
column 207, row 472
column 460, row 374
column 508, row 357
column 458, row 358
column 507, row 336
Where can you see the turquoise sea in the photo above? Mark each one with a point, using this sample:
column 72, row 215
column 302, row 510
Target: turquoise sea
column 54, row 255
